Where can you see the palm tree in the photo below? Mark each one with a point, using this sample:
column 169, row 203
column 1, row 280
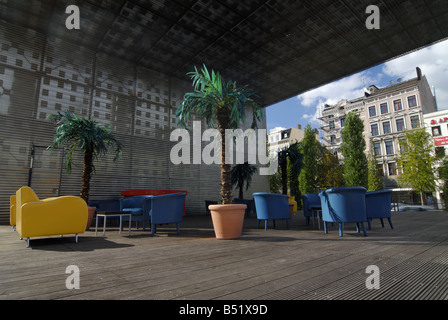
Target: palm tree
column 86, row 134
column 214, row 99
column 242, row 173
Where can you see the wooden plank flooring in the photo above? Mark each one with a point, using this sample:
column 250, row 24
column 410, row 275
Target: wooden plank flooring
column 301, row 263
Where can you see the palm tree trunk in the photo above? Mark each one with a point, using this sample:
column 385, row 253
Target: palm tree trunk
column 86, row 174
column 226, row 178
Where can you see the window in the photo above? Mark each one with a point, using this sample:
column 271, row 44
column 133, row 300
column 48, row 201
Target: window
column 402, row 145
column 415, row 122
column 383, row 108
column 400, row 124
column 386, row 127
column 374, row 128
column 397, row 105
column 372, row 111
column 389, row 147
column 436, row 131
column 412, row 101
column 381, row 170
column 333, row 139
column 440, row 152
column 392, row 169
column 331, row 123
column 377, row 148
column 342, row 122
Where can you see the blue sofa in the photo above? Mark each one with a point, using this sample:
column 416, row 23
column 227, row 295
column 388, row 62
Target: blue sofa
column 343, row 205
column 271, row 206
column 378, row 206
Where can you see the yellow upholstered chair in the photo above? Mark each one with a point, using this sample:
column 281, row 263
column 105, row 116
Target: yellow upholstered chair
column 49, row 217
column 293, row 201
column 12, row 211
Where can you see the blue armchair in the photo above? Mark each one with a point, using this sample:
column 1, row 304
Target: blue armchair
column 166, row 209
column 139, row 207
column 311, row 202
column 346, row 204
column 378, row 205
column 271, row 206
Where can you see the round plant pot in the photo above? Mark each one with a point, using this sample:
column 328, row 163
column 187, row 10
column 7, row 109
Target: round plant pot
column 90, row 214
column 228, row 220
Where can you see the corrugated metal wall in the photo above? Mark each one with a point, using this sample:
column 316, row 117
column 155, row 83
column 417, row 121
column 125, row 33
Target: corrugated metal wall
column 41, row 76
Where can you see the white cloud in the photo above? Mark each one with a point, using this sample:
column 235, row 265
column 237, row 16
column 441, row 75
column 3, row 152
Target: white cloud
column 432, row 61
column 347, row 88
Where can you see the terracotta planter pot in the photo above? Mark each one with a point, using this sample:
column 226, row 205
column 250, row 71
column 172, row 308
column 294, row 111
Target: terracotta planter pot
column 228, row 220
column 90, row 214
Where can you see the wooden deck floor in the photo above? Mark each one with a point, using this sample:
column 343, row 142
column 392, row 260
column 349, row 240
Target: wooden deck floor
column 300, row 263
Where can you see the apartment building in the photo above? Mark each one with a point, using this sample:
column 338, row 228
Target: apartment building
column 386, row 112
column 280, row 138
column 436, row 124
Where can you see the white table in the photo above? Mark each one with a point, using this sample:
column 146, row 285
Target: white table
column 112, row 214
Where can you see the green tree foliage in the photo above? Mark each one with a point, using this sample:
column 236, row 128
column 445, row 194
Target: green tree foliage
column 416, row 162
column 352, row 148
column 374, row 175
column 443, row 176
column 309, row 150
column 87, row 135
column 330, row 172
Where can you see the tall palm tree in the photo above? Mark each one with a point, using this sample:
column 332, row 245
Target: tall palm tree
column 86, row 134
column 242, row 174
column 222, row 104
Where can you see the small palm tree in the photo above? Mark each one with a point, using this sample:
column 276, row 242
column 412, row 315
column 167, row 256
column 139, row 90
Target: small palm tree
column 242, row 174
column 222, row 104
column 86, row 134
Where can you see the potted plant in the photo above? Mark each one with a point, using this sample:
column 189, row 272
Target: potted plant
column 223, row 105
column 242, row 175
column 91, row 138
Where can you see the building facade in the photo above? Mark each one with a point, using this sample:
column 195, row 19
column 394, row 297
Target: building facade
column 386, row 112
column 280, row 138
column 436, row 124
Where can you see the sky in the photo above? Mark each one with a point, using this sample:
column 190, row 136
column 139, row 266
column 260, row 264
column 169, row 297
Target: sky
column 303, row 109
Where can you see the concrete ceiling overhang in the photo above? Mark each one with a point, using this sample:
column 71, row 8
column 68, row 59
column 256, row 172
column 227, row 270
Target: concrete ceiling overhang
column 280, row 48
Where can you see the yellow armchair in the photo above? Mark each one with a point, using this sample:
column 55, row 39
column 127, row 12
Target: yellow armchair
column 293, row 201
column 49, row 217
column 12, row 211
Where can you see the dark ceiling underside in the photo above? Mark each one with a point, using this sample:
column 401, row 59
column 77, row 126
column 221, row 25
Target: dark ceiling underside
column 281, row 48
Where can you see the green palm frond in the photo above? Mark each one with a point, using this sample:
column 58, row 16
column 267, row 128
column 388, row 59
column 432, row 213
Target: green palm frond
column 84, row 134
column 211, row 93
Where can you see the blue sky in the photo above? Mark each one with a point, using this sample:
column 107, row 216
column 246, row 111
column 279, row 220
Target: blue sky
column 303, row 109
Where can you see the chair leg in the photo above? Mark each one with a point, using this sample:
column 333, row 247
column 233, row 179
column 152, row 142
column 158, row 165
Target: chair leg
column 153, row 229
column 27, row 242
column 382, row 222
column 369, row 224
column 266, row 224
column 363, row 228
column 390, row 223
column 258, row 223
column 178, row 230
column 341, row 227
column 76, row 238
column 325, row 227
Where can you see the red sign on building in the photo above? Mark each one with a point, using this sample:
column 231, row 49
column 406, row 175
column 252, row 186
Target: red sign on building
column 440, row 141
